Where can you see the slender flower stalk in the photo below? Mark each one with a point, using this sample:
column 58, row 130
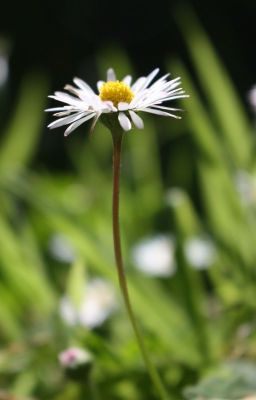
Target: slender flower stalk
column 117, row 147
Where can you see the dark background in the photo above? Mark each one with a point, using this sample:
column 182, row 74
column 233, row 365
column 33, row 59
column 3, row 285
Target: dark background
column 59, row 35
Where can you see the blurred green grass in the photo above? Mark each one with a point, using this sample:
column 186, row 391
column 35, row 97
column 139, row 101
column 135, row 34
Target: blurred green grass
column 192, row 321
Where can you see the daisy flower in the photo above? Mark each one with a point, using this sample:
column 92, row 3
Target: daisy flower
column 97, row 305
column 200, row 252
column 73, row 357
column 121, row 98
column 155, row 256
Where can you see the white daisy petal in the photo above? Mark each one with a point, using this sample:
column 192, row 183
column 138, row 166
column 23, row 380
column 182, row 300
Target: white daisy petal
column 94, row 122
column 138, row 84
column 175, row 84
column 138, row 122
column 180, row 96
column 82, row 94
column 62, row 113
column 161, row 80
column 99, row 84
column 124, row 121
column 65, row 98
column 150, row 77
column 127, row 80
column 95, row 103
column 122, row 106
column 168, row 108
column 72, row 89
column 111, row 76
column 82, row 85
column 58, row 108
column 76, row 124
column 109, row 106
column 175, row 91
column 159, row 112
column 65, row 120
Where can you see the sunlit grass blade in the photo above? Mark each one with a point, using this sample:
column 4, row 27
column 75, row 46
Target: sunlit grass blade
column 205, row 137
column 229, row 223
column 188, row 282
column 22, row 277
column 9, row 315
column 219, row 90
column 21, row 137
column 76, row 282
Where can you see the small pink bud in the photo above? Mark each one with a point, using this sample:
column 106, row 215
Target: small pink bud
column 74, row 357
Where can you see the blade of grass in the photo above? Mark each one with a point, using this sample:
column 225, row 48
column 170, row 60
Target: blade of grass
column 219, row 89
column 21, row 137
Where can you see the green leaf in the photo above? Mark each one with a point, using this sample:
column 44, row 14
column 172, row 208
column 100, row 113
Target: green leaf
column 204, row 134
column 219, row 89
column 76, row 282
column 232, row 381
column 21, row 137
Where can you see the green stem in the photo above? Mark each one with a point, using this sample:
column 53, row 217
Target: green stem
column 117, row 145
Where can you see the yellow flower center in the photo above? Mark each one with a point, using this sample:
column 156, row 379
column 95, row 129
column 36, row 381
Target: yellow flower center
column 116, row 92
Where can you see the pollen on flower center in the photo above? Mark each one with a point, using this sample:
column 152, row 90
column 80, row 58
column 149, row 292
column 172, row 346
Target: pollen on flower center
column 116, row 92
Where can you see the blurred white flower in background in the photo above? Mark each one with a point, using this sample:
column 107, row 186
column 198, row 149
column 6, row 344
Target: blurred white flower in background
column 252, row 97
column 4, row 69
column 98, row 303
column 73, row 357
column 200, row 252
column 61, row 248
column 174, row 197
column 246, row 187
column 155, row 256
column 4, row 61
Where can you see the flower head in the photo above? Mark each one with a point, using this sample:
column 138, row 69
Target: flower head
column 155, row 256
column 200, row 252
column 73, row 357
column 61, row 248
column 121, row 98
column 246, row 186
column 77, row 363
column 252, row 97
